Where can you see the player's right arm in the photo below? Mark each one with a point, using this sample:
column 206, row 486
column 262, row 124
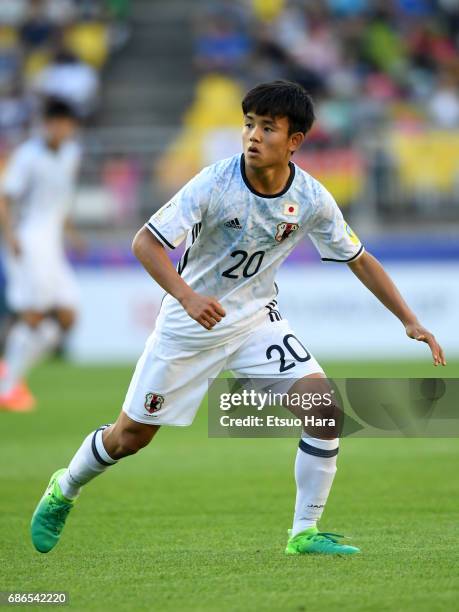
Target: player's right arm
column 152, row 255
column 14, row 184
column 6, row 224
column 169, row 227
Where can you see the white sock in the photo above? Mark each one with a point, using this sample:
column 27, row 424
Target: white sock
column 17, row 347
column 46, row 337
column 90, row 460
column 24, row 347
column 315, row 468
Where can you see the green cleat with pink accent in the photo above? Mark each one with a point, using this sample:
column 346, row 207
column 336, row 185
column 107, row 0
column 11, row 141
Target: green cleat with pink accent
column 313, row 541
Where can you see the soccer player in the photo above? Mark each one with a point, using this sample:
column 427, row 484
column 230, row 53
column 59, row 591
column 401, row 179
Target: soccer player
column 240, row 217
column 35, row 194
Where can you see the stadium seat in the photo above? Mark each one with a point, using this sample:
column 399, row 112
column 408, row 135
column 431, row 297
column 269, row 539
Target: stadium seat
column 215, row 115
column 89, row 41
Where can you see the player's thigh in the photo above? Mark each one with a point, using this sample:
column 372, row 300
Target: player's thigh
column 274, row 359
column 169, row 382
column 284, row 365
column 273, row 350
column 66, row 294
column 19, row 283
column 31, row 282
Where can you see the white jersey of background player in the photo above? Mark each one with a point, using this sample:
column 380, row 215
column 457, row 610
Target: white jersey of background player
column 241, row 218
column 37, row 189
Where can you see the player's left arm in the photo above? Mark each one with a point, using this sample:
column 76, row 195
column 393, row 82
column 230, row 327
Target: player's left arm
column 371, row 273
column 74, row 236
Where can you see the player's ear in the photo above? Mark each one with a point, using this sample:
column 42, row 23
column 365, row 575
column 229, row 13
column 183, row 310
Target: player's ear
column 296, row 140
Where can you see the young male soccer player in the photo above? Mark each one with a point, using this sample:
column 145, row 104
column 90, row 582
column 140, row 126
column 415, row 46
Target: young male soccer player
column 241, row 217
column 36, row 190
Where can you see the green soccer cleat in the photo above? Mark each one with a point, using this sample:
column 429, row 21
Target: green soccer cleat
column 313, row 541
column 50, row 515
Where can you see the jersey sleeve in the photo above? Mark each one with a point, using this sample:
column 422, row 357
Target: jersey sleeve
column 330, row 234
column 172, row 222
column 15, row 179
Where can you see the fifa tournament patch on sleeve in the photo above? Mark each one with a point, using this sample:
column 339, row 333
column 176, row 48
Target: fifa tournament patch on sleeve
column 352, row 235
column 166, row 213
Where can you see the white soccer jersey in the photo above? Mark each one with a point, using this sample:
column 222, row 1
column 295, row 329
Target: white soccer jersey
column 236, row 240
column 42, row 182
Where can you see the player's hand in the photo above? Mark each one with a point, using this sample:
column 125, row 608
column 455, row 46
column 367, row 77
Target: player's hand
column 420, row 333
column 78, row 244
column 13, row 245
column 203, row 309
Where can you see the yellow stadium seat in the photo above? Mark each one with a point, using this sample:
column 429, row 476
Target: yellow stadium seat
column 34, row 63
column 89, row 41
column 427, row 160
column 8, row 37
column 267, row 10
column 217, row 105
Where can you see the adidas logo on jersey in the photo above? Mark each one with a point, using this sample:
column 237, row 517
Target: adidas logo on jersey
column 273, row 313
column 234, row 224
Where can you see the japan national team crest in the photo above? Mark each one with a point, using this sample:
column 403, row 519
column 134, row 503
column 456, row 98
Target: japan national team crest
column 285, row 229
column 153, row 402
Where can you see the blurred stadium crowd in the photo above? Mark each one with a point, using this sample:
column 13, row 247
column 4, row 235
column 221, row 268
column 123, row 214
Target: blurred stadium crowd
column 158, row 86
column 385, row 79
column 365, row 62
column 54, row 48
column 384, row 76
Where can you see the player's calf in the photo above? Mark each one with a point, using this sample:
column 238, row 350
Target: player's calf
column 100, row 450
column 103, row 448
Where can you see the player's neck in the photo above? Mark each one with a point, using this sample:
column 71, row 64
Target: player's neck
column 268, row 181
column 53, row 144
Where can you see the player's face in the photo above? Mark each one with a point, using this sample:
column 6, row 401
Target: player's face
column 60, row 129
column 267, row 141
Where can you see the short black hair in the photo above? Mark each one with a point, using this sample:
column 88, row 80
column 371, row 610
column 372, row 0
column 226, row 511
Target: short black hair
column 56, row 108
column 282, row 99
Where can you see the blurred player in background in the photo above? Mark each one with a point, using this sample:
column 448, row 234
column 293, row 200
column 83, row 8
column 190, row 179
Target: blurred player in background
column 36, row 191
column 241, row 217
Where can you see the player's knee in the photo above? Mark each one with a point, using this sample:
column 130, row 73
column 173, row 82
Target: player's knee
column 66, row 319
column 327, row 411
column 130, row 442
column 33, row 319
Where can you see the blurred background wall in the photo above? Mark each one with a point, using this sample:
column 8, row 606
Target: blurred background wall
column 158, row 87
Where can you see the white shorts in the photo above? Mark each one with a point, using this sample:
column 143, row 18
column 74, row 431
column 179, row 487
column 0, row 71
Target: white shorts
column 169, row 383
column 39, row 282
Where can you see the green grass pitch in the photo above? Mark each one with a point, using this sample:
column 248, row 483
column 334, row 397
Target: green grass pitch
column 200, row 524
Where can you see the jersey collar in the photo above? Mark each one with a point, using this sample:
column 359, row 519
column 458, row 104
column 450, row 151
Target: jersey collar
column 264, row 195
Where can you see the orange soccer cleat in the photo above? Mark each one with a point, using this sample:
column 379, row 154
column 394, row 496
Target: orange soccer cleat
column 19, row 399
